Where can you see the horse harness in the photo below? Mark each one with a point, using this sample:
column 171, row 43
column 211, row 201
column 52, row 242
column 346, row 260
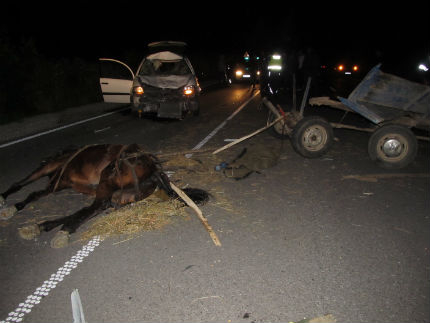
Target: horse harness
column 123, row 157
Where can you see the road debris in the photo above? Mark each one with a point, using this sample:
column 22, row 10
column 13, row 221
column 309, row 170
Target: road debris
column 199, row 213
column 101, row 130
column 329, row 318
column 373, row 178
column 248, row 136
column 253, row 159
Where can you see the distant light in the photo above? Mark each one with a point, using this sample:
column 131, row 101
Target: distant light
column 274, row 67
column 239, row 73
column 340, row 67
column 276, row 56
column 423, row 68
column 355, row 68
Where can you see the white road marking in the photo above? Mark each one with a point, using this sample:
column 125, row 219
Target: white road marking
column 10, row 143
column 209, row 136
column 32, row 300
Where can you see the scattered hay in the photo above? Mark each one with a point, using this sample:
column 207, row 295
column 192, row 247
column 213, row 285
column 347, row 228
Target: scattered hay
column 181, row 161
column 154, row 213
column 149, row 214
column 198, row 171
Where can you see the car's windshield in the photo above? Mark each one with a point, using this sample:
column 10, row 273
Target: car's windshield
column 152, row 67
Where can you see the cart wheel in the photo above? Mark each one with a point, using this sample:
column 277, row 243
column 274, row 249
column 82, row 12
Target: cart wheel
column 279, row 129
column 312, row 137
column 393, row 146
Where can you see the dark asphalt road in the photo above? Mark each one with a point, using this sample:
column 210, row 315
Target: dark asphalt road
column 298, row 240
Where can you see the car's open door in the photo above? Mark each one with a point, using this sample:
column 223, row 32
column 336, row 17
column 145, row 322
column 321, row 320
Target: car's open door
column 116, row 80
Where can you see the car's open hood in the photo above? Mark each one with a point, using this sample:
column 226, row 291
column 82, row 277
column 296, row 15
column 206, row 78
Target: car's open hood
column 169, row 81
column 164, row 56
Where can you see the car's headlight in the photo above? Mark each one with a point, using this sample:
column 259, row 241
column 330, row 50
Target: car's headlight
column 239, row 73
column 189, row 90
column 423, row 68
column 138, row 90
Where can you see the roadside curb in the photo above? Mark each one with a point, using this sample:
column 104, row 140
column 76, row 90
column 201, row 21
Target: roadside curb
column 45, row 122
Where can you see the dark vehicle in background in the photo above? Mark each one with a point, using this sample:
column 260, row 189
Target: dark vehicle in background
column 164, row 85
column 244, row 69
column 245, row 72
column 342, row 73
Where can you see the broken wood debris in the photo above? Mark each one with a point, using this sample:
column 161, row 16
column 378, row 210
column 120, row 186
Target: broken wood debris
column 248, row 136
column 199, row 213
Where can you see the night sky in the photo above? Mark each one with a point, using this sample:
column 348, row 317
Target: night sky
column 108, row 30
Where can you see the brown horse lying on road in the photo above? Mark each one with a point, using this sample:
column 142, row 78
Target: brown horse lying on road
column 114, row 174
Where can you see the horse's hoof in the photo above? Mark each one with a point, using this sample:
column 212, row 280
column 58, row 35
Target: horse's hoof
column 29, row 232
column 60, row 240
column 7, row 212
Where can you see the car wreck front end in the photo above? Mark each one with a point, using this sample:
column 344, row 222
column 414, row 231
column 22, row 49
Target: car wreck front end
column 166, row 86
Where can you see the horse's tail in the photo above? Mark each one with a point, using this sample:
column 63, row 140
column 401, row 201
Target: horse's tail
column 198, row 195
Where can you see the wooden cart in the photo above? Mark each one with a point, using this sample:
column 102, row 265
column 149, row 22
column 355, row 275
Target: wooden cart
column 394, row 106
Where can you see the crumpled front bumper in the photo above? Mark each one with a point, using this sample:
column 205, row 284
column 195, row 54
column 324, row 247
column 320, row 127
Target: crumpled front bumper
column 165, row 103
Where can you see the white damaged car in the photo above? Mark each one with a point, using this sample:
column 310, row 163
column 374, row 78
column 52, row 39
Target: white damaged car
column 164, row 85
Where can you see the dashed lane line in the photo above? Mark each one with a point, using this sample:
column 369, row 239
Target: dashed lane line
column 210, row 135
column 42, row 291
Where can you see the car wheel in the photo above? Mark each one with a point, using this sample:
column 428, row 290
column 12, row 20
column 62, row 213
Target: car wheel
column 312, row 137
column 393, row 146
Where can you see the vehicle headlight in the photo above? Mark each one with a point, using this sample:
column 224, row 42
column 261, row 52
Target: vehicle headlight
column 423, row 68
column 239, row 73
column 355, row 68
column 138, row 90
column 274, row 67
column 189, row 90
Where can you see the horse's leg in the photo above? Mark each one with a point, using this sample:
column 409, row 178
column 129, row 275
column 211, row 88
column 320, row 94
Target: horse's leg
column 6, row 212
column 44, row 170
column 71, row 223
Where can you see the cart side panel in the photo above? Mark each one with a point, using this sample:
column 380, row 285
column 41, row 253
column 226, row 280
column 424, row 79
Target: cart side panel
column 386, row 90
column 362, row 110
